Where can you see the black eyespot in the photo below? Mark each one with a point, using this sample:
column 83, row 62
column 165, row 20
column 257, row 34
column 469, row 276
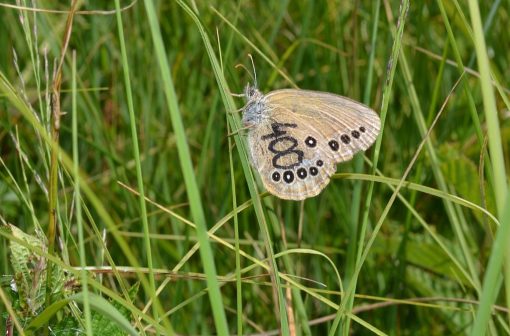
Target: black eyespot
column 314, row 171
column 276, row 176
column 310, row 141
column 319, row 163
column 345, row 138
column 355, row 134
column 333, row 144
column 362, row 129
column 288, row 176
column 301, row 172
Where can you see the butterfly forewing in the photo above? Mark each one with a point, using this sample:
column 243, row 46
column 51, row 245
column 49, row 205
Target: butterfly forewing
column 353, row 125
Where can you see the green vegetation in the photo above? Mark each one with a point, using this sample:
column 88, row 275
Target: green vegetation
column 127, row 200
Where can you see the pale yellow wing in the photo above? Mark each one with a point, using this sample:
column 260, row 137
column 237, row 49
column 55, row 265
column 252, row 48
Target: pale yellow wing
column 303, row 135
column 351, row 124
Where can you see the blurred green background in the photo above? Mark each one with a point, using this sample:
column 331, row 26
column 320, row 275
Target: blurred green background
column 431, row 253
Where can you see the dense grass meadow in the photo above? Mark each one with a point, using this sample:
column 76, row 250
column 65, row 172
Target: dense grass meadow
column 128, row 204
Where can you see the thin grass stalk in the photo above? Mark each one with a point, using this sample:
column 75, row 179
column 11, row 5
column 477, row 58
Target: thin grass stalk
column 354, row 226
column 490, row 109
column 491, row 287
column 136, row 154
column 55, row 153
column 353, row 247
column 77, row 202
column 239, row 284
column 494, row 135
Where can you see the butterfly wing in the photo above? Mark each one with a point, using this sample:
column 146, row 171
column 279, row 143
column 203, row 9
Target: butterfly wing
column 302, row 137
column 349, row 126
column 288, row 169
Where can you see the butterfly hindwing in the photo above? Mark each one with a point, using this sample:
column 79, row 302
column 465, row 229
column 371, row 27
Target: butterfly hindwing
column 289, row 160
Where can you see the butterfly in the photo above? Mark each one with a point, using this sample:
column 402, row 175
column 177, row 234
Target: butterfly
column 297, row 137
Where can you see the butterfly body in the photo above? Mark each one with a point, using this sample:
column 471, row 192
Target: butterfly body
column 296, row 137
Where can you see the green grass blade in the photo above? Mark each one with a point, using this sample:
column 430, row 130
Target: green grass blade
column 489, row 104
column 136, row 153
column 197, row 212
column 77, row 201
column 490, row 282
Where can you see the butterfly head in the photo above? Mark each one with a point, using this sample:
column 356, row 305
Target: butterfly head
column 251, row 92
column 255, row 109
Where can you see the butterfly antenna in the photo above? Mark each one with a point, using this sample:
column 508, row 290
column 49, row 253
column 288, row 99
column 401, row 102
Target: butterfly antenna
column 248, row 71
column 254, row 72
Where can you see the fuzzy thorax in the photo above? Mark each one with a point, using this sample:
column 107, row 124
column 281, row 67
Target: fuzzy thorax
column 255, row 109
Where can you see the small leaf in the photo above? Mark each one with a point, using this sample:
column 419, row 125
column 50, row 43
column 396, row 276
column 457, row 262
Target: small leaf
column 29, row 271
column 103, row 324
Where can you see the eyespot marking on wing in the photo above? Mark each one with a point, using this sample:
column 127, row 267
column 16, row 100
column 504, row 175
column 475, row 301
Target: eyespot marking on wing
column 288, row 176
column 310, row 141
column 345, row 139
column 333, row 144
column 301, row 173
